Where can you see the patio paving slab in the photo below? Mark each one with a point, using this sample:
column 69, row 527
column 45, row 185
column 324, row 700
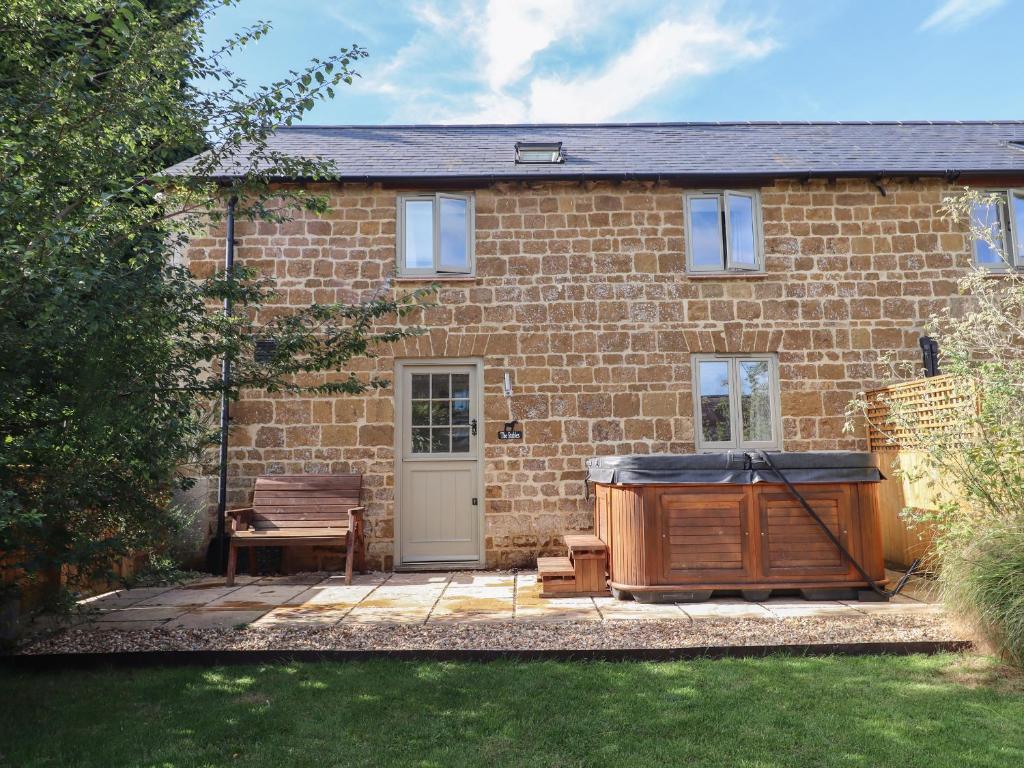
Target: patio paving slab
column 256, row 595
column 208, row 618
column 141, row 613
column 725, row 607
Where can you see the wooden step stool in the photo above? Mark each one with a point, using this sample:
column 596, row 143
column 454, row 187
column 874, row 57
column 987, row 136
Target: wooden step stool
column 584, row 573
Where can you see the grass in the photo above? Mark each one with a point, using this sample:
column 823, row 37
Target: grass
column 872, row 711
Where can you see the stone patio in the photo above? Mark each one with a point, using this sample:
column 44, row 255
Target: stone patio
column 454, row 598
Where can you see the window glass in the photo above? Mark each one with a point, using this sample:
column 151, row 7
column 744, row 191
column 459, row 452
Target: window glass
column 706, row 233
column 1018, row 221
column 715, row 413
column 440, row 413
column 742, row 237
column 419, row 234
column 755, row 400
column 736, row 402
column 454, row 254
column 986, row 216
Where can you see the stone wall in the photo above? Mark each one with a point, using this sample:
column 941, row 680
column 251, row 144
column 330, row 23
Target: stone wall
column 581, row 293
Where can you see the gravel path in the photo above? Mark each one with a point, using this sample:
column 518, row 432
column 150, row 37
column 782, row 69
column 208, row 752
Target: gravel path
column 512, row 635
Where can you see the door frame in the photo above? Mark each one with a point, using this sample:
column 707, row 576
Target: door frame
column 477, row 381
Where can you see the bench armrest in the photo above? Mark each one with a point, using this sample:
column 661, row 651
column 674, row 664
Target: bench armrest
column 239, row 518
column 355, row 519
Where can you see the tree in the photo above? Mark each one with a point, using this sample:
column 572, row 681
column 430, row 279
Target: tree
column 976, row 449
column 106, row 346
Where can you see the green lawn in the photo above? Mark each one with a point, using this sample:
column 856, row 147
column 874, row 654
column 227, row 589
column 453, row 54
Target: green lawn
column 872, row 711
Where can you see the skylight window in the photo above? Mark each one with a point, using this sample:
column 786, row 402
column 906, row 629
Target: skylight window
column 539, row 152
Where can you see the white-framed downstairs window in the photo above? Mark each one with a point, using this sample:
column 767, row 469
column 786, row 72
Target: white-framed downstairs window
column 1003, row 216
column 736, row 402
column 435, row 234
column 724, row 231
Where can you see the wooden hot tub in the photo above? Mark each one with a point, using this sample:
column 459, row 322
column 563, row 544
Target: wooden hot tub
column 681, row 527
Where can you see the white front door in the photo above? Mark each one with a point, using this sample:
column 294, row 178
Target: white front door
column 439, row 515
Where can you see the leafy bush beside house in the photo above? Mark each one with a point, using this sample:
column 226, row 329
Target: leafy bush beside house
column 976, row 445
column 105, row 344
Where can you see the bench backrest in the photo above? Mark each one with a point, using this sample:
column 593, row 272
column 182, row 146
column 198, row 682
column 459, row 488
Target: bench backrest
column 304, row 501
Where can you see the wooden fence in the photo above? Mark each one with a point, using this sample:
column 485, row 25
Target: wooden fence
column 923, row 406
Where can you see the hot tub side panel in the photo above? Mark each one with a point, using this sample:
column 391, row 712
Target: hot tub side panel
column 702, row 534
column 628, row 533
column 733, row 536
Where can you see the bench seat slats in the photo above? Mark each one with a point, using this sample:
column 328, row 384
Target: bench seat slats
column 293, row 533
column 309, row 482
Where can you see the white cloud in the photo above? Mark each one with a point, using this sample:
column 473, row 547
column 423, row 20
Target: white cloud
column 477, row 61
column 953, row 14
column 512, row 33
column 671, row 53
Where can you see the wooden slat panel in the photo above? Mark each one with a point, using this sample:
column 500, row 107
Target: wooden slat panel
column 703, row 530
column 289, row 482
column 336, row 497
column 339, row 510
column 293, row 532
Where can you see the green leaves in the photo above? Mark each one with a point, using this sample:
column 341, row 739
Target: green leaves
column 105, row 342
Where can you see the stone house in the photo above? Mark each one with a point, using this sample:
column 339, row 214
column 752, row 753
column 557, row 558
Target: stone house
column 605, row 289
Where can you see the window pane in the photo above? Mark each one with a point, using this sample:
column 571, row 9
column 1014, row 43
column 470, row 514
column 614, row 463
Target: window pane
column 742, row 237
column 421, row 385
column 439, row 385
column 460, row 385
column 439, row 413
column 706, row 233
column 420, row 412
column 421, row 441
column 454, row 254
column 419, row 234
column 440, row 440
column 460, row 411
column 987, row 216
column 1018, row 235
column 716, row 425
column 755, row 400
column 460, row 440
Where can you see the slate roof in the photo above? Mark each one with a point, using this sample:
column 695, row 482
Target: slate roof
column 485, row 153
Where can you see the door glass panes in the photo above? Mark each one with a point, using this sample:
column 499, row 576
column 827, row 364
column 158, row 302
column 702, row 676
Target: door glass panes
column 440, row 413
column 706, row 231
column 715, row 416
column 986, row 216
column 454, row 254
column 419, row 234
column 742, row 238
column 755, row 400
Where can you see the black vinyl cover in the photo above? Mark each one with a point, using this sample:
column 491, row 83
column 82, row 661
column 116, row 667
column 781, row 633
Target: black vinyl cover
column 734, row 468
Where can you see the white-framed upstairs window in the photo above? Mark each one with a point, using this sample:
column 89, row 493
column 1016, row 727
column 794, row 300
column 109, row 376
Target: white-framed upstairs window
column 724, row 231
column 736, row 402
column 1003, row 216
column 435, row 234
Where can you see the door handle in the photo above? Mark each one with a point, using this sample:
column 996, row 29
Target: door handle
column 472, row 427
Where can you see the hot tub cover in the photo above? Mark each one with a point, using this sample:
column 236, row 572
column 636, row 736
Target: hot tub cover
column 734, row 468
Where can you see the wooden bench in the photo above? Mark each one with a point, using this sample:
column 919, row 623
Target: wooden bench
column 300, row 510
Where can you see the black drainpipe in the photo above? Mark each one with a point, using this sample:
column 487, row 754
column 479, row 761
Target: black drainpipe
column 225, row 378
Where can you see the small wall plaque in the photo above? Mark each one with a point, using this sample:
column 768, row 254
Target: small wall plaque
column 510, row 432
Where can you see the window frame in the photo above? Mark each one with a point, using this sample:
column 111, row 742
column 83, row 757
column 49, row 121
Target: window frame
column 728, row 265
column 1009, row 229
column 439, row 269
column 735, row 406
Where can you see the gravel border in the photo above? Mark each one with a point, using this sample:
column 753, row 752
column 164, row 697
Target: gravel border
column 511, row 635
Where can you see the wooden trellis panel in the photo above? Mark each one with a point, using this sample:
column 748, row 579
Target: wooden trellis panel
column 926, row 405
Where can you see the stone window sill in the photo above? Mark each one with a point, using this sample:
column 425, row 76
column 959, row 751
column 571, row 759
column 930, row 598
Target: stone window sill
column 435, row 278
column 726, row 275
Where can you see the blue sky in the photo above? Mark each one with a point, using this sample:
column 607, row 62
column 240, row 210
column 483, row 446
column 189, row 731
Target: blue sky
column 482, row 61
